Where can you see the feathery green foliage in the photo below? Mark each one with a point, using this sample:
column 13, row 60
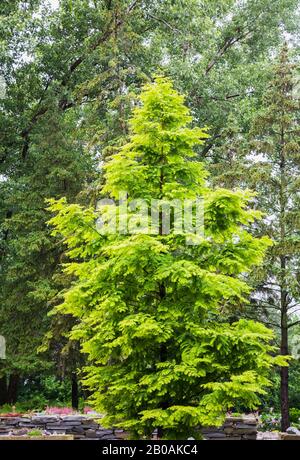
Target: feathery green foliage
column 148, row 305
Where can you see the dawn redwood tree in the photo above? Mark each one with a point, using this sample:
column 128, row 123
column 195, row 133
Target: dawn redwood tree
column 148, row 305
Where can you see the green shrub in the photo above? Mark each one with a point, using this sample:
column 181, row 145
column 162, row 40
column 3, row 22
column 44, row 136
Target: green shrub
column 269, row 421
column 37, row 393
column 294, row 415
column 35, row 432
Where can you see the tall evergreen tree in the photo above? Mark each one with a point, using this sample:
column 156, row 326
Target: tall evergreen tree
column 147, row 305
column 275, row 174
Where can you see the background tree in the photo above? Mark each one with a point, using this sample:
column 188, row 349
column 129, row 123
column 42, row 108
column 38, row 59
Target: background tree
column 276, row 155
column 267, row 160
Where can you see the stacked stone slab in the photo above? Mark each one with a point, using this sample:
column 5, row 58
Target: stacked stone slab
column 289, row 437
column 80, row 426
column 86, row 428
column 242, row 428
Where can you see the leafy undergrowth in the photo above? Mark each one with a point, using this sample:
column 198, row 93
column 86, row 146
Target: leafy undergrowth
column 270, row 421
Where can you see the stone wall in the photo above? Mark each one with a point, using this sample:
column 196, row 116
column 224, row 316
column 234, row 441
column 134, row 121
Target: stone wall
column 289, row 437
column 86, row 428
column 242, row 428
column 80, row 426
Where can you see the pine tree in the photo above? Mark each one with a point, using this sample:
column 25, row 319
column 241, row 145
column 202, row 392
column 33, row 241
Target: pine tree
column 147, row 305
column 275, row 171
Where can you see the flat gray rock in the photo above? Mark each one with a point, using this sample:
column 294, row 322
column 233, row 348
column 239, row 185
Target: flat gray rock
column 40, row 419
column 12, row 420
column 74, row 418
column 293, row 430
column 215, row 435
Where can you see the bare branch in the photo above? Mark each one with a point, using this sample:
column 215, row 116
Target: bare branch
column 229, row 43
column 162, row 20
column 209, row 145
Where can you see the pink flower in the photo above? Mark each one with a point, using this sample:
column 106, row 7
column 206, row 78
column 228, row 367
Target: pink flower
column 59, row 410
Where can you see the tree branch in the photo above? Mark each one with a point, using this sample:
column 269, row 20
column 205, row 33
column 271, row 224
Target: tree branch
column 293, row 324
column 229, row 42
column 267, row 323
column 163, row 21
column 63, row 104
column 209, row 145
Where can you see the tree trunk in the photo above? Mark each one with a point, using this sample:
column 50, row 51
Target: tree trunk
column 162, row 295
column 284, row 396
column 284, row 350
column 75, row 395
column 13, row 386
column 3, row 390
